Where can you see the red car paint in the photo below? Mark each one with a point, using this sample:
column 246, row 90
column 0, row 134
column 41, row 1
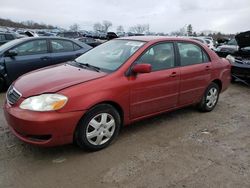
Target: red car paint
column 135, row 96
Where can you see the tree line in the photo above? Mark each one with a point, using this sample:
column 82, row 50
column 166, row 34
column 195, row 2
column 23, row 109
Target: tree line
column 25, row 24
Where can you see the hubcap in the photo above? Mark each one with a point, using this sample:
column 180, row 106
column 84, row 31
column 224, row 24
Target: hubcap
column 100, row 129
column 212, row 97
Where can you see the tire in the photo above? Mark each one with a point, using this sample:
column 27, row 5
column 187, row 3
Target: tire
column 98, row 128
column 207, row 103
column 2, row 84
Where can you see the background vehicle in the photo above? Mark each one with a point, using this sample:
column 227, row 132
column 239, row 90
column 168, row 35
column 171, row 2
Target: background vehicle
column 90, row 41
column 119, row 82
column 6, row 37
column 44, row 33
column 210, row 43
column 229, row 47
column 70, row 34
column 241, row 59
column 202, row 40
column 23, row 55
column 111, row 35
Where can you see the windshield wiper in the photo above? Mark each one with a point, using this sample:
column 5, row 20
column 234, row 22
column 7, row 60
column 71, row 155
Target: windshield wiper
column 84, row 65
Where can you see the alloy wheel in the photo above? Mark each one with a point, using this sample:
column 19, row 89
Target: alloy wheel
column 100, row 129
column 212, row 97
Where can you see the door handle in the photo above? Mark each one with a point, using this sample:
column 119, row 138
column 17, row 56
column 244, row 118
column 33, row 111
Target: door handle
column 173, row 74
column 46, row 58
column 207, row 68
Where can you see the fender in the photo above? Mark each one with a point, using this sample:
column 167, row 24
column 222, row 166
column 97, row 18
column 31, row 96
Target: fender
column 96, row 92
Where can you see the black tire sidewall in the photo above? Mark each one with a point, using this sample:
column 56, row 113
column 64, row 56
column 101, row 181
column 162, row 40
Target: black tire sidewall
column 2, row 83
column 203, row 104
column 80, row 133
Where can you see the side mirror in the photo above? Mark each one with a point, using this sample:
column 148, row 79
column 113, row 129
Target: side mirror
column 142, row 68
column 11, row 53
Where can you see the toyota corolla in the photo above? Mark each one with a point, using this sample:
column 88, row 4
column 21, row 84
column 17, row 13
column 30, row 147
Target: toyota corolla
column 88, row 100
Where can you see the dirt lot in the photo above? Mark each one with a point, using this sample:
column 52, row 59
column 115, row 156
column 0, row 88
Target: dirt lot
column 185, row 148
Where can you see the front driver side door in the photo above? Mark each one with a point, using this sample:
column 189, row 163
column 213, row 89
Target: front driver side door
column 158, row 90
column 31, row 55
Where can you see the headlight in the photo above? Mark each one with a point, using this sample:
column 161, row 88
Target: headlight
column 230, row 58
column 44, row 102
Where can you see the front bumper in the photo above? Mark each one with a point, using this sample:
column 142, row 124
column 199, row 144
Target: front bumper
column 241, row 71
column 42, row 128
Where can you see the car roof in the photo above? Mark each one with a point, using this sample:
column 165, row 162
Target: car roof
column 47, row 37
column 155, row 38
column 1, row 32
column 21, row 40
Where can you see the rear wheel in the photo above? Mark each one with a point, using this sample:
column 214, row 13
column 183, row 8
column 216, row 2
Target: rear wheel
column 98, row 128
column 210, row 98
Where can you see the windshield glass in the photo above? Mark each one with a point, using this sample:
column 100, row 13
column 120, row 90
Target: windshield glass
column 110, row 55
column 8, row 44
column 246, row 48
column 232, row 42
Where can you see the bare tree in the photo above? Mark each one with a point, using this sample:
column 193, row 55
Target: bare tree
column 140, row 28
column 120, row 29
column 74, row 27
column 98, row 27
column 106, row 25
column 181, row 32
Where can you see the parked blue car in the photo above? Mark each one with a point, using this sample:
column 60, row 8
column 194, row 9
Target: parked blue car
column 23, row 55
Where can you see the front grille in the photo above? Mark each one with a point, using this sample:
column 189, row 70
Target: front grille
column 13, row 95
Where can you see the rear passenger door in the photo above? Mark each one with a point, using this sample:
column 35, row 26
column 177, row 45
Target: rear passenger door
column 195, row 72
column 63, row 50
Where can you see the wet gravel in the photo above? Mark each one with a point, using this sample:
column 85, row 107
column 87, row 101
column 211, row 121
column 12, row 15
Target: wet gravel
column 184, row 148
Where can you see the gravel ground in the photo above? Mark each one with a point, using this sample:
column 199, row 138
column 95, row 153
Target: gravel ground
column 184, row 148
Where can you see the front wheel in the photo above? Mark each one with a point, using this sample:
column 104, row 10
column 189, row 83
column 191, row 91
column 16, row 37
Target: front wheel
column 210, row 98
column 98, row 128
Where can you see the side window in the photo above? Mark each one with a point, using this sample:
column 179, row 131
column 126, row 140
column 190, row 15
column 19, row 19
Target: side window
column 2, row 37
column 32, row 47
column 62, row 46
column 191, row 54
column 205, row 57
column 9, row 37
column 77, row 47
column 160, row 56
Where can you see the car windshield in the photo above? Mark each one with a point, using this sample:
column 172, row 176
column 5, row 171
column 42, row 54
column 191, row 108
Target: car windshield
column 246, row 48
column 8, row 44
column 110, row 55
column 232, row 42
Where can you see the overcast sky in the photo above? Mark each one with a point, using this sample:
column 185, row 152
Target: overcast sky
column 229, row 16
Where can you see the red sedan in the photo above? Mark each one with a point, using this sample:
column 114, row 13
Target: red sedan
column 119, row 82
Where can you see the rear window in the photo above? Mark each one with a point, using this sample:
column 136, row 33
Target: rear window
column 2, row 37
column 77, row 47
column 191, row 54
column 9, row 37
column 62, row 46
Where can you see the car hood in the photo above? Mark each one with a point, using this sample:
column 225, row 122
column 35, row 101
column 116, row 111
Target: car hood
column 53, row 79
column 243, row 39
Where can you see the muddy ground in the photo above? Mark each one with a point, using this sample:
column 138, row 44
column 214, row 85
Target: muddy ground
column 184, row 148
